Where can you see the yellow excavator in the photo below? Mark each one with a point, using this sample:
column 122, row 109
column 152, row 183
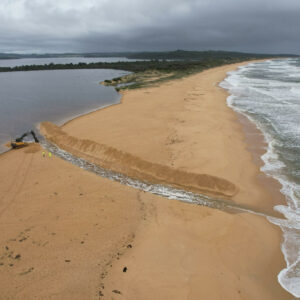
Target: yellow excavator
column 19, row 142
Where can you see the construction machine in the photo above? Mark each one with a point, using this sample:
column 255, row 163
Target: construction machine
column 20, row 143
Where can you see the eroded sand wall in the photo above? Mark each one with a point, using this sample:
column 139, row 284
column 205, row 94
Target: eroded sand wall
column 135, row 167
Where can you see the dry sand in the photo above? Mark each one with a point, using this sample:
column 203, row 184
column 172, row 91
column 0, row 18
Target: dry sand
column 68, row 234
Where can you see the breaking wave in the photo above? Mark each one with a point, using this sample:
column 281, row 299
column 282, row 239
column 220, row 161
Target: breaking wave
column 268, row 94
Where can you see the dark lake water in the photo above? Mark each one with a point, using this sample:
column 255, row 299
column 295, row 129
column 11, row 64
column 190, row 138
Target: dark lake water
column 28, row 98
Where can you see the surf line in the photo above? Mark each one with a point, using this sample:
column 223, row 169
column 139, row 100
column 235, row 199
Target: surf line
column 156, row 189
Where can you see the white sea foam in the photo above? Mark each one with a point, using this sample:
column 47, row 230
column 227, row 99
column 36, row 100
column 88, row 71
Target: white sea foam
column 268, row 94
column 295, row 91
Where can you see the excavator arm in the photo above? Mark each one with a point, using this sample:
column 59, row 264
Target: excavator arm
column 19, row 142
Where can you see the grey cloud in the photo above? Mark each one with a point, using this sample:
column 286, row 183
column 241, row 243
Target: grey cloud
column 94, row 25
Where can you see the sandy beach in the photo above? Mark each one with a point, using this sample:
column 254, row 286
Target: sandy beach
column 70, row 234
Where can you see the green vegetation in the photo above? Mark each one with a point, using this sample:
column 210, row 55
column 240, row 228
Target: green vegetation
column 140, row 79
column 160, row 66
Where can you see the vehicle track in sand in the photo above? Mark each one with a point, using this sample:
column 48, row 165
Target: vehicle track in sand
column 19, row 178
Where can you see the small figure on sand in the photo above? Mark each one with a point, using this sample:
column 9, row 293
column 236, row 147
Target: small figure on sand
column 43, row 153
column 50, row 154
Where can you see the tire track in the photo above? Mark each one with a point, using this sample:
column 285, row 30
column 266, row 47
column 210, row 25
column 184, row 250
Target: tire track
column 18, row 182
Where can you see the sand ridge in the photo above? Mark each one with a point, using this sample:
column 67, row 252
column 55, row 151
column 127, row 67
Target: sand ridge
column 135, row 167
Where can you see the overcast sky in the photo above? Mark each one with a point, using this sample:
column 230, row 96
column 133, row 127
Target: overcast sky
column 271, row 26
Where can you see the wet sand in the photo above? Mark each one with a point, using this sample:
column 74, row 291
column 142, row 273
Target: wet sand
column 69, row 234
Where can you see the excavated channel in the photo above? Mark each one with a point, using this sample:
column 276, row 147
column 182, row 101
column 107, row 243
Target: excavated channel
column 157, row 189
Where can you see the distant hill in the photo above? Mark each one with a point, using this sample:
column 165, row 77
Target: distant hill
column 200, row 55
column 173, row 55
column 46, row 55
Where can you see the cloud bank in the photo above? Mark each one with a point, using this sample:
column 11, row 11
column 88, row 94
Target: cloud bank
column 133, row 25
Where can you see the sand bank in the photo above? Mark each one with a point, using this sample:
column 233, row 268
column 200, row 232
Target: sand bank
column 135, row 167
column 68, row 234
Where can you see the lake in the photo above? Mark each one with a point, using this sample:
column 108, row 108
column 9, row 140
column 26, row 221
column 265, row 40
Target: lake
column 28, row 98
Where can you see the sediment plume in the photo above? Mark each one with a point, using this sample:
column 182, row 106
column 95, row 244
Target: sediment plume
column 135, row 167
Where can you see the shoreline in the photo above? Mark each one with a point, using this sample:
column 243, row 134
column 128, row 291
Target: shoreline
column 257, row 146
column 171, row 249
column 246, row 127
column 249, row 129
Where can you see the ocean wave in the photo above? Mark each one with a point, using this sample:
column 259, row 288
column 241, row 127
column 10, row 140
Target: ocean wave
column 268, row 94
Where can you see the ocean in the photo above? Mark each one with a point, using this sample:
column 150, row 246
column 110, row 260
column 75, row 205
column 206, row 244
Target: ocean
column 268, row 93
column 28, row 98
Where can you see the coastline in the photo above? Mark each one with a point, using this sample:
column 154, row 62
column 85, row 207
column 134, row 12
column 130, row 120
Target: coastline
column 257, row 145
column 179, row 250
column 78, row 131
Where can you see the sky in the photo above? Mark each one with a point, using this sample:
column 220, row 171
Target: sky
column 39, row 26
